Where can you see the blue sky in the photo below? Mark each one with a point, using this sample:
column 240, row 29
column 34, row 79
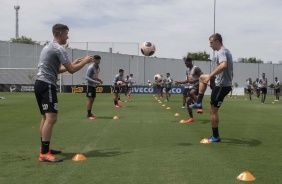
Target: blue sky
column 250, row 28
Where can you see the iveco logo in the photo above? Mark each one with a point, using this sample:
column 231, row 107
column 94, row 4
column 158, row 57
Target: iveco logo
column 45, row 106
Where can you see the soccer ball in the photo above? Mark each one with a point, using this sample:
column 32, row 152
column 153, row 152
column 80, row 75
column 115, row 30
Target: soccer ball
column 158, row 78
column 148, row 48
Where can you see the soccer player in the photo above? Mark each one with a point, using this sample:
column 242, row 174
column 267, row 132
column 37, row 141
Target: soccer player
column 193, row 73
column 223, row 83
column 257, row 87
column 263, row 87
column 249, row 88
column 92, row 80
column 167, row 84
column 118, row 81
column 160, row 87
column 53, row 60
column 129, row 85
column 276, row 88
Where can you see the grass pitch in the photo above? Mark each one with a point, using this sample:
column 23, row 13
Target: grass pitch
column 146, row 145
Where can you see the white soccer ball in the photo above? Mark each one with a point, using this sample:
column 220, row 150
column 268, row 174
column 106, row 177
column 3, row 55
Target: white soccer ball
column 158, row 78
column 148, row 48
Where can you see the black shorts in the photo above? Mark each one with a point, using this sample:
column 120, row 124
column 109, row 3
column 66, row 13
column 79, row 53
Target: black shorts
column 167, row 89
column 116, row 89
column 218, row 94
column 187, row 91
column 277, row 90
column 263, row 90
column 91, row 91
column 249, row 90
column 46, row 96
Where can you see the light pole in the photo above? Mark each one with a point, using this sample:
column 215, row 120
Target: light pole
column 213, row 53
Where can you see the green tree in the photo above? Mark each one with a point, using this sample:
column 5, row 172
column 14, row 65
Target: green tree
column 250, row 60
column 199, row 56
column 24, row 39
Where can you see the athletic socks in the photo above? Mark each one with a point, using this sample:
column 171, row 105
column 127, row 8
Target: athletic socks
column 115, row 101
column 215, row 132
column 89, row 112
column 45, row 147
column 200, row 98
column 191, row 114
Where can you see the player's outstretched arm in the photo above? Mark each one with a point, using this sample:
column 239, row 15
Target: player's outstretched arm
column 78, row 64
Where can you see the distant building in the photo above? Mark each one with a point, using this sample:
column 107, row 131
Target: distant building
column 269, row 62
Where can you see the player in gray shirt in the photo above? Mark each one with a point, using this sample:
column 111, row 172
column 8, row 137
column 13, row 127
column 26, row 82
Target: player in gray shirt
column 92, row 80
column 52, row 61
column 223, row 83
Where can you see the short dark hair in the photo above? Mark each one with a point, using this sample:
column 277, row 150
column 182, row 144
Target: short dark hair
column 120, row 70
column 216, row 37
column 188, row 59
column 97, row 57
column 131, row 74
column 57, row 28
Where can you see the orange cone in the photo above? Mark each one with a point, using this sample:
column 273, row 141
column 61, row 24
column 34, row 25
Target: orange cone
column 182, row 121
column 176, row 114
column 115, row 117
column 246, row 176
column 168, row 108
column 163, row 105
column 78, row 157
column 205, row 141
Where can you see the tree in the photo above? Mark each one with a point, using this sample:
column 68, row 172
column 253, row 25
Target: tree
column 250, row 60
column 24, row 39
column 199, row 56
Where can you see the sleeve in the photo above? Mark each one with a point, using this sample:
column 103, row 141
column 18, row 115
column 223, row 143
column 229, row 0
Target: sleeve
column 62, row 55
column 222, row 56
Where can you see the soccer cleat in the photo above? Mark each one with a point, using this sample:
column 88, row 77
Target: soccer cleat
column 128, row 96
column 118, row 106
column 91, row 117
column 166, row 100
column 183, row 107
column 52, row 151
column 213, row 139
column 120, row 101
column 195, row 105
column 48, row 157
column 190, row 120
column 200, row 111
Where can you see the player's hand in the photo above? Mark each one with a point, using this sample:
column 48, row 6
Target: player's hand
column 207, row 79
column 89, row 59
column 101, row 82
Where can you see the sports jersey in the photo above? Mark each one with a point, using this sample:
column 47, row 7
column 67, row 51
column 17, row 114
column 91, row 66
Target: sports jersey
column 261, row 81
column 191, row 74
column 51, row 57
column 226, row 76
column 130, row 82
column 248, row 85
column 117, row 78
column 92, row 75
column 277, row 84
column 170, row 80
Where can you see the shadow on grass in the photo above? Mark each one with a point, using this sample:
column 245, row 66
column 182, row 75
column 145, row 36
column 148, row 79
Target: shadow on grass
column 241, row 142
column 104, row 117
column 204, row 121
column 97, row 153
column 185, row 144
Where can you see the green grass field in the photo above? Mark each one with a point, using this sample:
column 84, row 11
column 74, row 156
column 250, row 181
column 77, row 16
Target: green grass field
column 146, row 145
